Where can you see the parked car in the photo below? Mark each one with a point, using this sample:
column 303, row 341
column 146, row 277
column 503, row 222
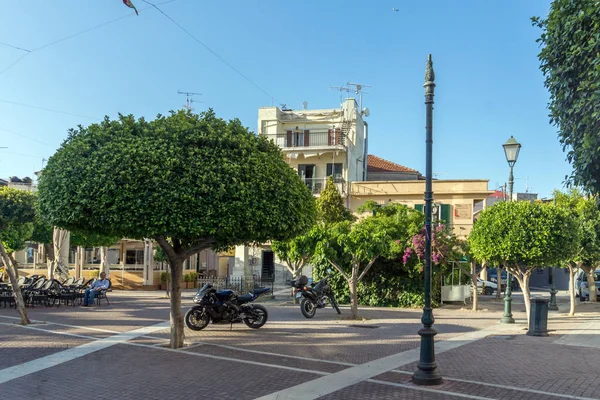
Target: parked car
column 486, row 287
column 581, row 285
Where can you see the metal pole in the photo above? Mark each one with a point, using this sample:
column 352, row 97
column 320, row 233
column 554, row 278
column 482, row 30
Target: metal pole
column 507, row 318
column 427, row 373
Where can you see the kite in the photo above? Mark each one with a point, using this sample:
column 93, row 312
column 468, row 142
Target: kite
column 130, row 5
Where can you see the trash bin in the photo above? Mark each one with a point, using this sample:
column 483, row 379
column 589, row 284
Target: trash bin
column 538, row 318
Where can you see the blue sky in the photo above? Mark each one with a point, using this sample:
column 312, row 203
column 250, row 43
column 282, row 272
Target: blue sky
column 485, row 57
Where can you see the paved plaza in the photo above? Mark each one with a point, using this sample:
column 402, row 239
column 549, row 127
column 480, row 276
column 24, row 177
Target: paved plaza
column 118, row 352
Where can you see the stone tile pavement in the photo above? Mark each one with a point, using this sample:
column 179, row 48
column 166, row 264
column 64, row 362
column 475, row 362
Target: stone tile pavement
column 293, row 352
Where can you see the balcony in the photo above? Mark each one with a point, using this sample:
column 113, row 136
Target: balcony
column 299, row 140
column 316, row 185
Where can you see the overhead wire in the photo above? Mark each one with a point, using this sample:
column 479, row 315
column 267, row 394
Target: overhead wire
column 49, row 109
column 71, row 36
column 209, row 49
column 14, row 47
column 23, row 136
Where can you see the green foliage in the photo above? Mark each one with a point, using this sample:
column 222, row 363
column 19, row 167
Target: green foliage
column 187, row 278
column 524, row 235
column 17, row 214
column 389, row 283
column 587, row 216
column 92, row 240
column 195, row 178
column 193, row 276
column 570, row 42
column 160, row 255
column 330, row 205
column 354, row 248
column 297, row 251
column 164, row 276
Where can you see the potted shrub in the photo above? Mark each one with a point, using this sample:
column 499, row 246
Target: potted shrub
column 187, row 279
column 163, row 281
column 194, row 278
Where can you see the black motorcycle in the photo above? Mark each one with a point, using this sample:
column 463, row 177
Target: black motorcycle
column 226, row 307
column 315, row 296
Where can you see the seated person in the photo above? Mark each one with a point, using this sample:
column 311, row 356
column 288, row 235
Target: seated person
column 97, row 286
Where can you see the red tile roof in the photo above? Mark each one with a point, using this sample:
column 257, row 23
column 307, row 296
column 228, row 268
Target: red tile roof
column 376, row 164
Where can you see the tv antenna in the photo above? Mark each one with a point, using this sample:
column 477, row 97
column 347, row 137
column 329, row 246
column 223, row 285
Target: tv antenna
column 358, row 89
column 189, row 99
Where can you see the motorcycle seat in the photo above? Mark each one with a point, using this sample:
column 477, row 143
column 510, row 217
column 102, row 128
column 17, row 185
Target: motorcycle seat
column 259, row 291
column 244, row 298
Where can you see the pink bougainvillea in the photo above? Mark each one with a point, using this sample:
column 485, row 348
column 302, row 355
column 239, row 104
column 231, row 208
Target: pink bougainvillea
column 439, row 246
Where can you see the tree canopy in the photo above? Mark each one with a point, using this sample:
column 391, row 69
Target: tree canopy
column 196, row 178
column 524, row 236
column 190, row 182
column 570, row 43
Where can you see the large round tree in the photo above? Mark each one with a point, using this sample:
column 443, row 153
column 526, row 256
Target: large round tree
column 191, row 182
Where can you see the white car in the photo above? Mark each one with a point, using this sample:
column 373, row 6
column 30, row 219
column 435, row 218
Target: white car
column 581, row 285
column 486, row 287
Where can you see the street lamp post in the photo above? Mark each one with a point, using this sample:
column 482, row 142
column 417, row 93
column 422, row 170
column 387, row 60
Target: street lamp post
column 511, row 151
column 427, row 373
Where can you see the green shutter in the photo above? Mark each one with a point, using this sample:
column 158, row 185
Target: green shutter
column 445, row 213
column 419, row 207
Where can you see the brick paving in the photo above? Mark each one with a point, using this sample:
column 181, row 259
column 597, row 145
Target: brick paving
column 225, row 363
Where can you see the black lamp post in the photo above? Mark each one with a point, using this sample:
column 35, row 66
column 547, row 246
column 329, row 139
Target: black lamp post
column 427, row 373
column 511, row 150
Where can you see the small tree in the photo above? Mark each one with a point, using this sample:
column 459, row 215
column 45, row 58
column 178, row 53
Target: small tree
column 190, row 182
column 330, row 205
column 587, row 254
column 16, row 225
column 569, row 60
column 352, row 247
column 524, row 236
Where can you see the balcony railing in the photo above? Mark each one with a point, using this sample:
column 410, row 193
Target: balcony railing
column 316, row 185
column 303, row 139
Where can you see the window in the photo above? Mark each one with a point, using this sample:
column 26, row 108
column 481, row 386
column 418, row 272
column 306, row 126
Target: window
column 335, row 170
column 134, row 257
column 297, row 138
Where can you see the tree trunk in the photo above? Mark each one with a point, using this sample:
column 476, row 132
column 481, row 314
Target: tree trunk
column 475, row 289
column 49, row 249
column 523, row 279
column 499, row 281
column 353, row 295
column 177, row 334
column 571, row 290
column 10, row 270
column 589, row 273
column 15, row 265
column 104, row 264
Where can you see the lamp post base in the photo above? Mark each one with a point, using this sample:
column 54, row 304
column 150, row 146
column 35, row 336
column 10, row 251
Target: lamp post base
column 553, row 306
column 507, row 318
column 427, row 373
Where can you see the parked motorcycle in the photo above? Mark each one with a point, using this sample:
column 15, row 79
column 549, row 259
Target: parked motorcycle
column 226, row 307
column 315, row 296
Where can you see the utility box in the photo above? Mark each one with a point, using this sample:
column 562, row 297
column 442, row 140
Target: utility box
column 538, row 318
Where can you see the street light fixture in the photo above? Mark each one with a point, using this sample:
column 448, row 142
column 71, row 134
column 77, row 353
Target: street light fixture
column 427, row 373
column 511, row 151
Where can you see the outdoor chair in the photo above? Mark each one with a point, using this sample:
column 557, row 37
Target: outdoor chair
column 102, row 294
column 30, row 291
column 6, row 295
column 69, row 281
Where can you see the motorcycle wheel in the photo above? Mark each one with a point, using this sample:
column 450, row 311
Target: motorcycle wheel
column 257, row 317
column 334, row 304
column 308, row 308
column 196, row 318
